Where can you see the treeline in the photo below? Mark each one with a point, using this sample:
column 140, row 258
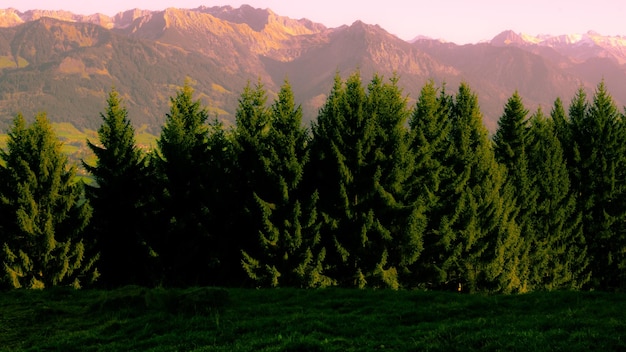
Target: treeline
column 374, row 194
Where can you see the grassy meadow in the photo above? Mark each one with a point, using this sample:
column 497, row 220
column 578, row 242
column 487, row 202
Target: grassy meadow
column 215, row 319
column 74, row 144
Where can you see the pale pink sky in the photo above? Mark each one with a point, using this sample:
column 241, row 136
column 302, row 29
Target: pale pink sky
column 459, row 21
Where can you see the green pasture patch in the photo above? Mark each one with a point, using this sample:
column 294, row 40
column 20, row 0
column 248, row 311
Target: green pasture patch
column 9, row 62
column 217, row 319
column 146, row 141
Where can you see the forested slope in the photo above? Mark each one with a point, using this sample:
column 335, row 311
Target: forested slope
column 377, row 193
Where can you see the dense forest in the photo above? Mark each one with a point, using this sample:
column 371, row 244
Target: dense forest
column 375, row 194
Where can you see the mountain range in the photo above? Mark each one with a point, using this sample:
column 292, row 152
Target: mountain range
column 65, row 64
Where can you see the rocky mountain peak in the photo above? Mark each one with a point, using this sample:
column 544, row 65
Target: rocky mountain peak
column 126, row 18
column 508, row 38
column 257, row 19
column 10, row 17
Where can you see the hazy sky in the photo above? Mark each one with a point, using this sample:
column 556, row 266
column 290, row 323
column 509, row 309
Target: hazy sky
column 459, row 21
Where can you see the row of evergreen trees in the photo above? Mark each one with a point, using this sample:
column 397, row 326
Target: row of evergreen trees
column 374, row 194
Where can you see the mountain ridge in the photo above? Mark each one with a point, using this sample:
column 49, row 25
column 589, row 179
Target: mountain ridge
column 60, row 62
column 576, row 45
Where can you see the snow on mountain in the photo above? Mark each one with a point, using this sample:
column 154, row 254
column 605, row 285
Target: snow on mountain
column 425, row 37
column 589, row 38
column 559, row 40
column 579, row 47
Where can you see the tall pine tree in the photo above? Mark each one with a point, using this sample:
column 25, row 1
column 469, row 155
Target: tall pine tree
column 182, row 164
column 430, row 127
column 357, row 142
column 511, row 141
column 559, row 253
column 473, row 240
column 118, row 198
column 289, row 237
column 46, row 213
column 599, row 177
column 400, row 216
column 562, row 128
column 251, row 135
column 223, row 206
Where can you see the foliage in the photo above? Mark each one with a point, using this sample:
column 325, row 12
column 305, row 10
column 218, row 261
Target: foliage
column 253, row 181
column 289, row 234
column 511, row 142
column 559, row 254
column 181, row 195
column 553, row 250
column 359, row 157
column 429, row 128
column 223, row 217
column 119, row 197
column 598, row 173
column 44, row 212
column 472, row 240
column 377, row 195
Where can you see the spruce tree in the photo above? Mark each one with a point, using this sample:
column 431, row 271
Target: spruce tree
column 224, row 206
column 510, row 139
column 430, row 127
column 559, row 253
column 430, row 145
column 562, row 128
column 46, row 213
column 181, row 163
column 251, row 134
column 567, row 127
column 118, row 198
column 289, row 238
column 599, row 177
column 473, row 238
column 400, row 218
column 511, row 142
column 368, row 231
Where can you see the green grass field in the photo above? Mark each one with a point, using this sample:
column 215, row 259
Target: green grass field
column 211, row 319
column 74, row 144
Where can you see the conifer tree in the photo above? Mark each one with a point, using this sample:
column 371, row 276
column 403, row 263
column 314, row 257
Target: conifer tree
column 118, row 198
column 473, row 237
column 566, row 128
column 289, row 238
column 181, row 163
column 511, row 141
column 511, row 136
column 357, row 139
column 400, row 218
column 599, row 177
column 250, row 136
column 430, row 128
column 562, row 128
column 223, row 205
column 559, row 254
column 46, row 214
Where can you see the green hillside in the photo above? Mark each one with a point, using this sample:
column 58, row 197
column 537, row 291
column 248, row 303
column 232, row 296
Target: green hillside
column 207, row 319
column 75, row 142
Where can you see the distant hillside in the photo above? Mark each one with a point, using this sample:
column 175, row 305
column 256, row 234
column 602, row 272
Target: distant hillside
column 67, row 68
column 65, row 63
